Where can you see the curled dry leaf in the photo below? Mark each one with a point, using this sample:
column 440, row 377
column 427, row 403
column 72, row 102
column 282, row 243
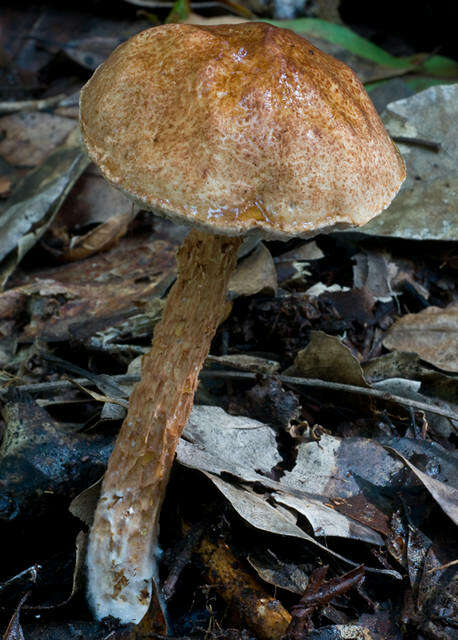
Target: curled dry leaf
column 258, row 512
column 318, row 593
column 90, row 201
column 288, row 576
column 444, row 494
column 341, row 498
column 216, row 442
column 35, row 202
column 99, row 239
column 432, row 334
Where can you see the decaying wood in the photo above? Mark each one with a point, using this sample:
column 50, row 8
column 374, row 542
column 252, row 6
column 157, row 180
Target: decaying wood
column 262, row 614
column 123, row 540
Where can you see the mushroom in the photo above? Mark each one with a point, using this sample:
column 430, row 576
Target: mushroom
column 233, row 129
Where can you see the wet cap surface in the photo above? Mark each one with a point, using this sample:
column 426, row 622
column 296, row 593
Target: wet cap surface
column 239, row 128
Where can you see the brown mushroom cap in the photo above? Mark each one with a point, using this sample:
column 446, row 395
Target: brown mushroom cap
column 239, row 127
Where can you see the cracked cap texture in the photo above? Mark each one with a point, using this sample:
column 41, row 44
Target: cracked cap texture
column 239, row 128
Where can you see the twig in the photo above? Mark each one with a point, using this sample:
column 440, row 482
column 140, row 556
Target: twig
column 419, row 142
column 62, row 385
column 443, row 566
column 319, row 593
column 339, row 386
column 30, row 574
column 31, row 105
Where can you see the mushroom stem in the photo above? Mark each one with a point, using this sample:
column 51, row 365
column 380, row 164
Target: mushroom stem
column 123, row 539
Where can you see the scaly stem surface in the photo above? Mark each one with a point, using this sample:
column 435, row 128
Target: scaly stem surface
column 123, row 539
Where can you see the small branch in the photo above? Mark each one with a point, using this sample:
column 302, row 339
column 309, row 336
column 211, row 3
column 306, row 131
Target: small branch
column 30, row 575
column 317, row 594
column 338, row 386
column 31, row 105
column 63, row 385
column 419, row 142
column 443, row 566
column 45, row 388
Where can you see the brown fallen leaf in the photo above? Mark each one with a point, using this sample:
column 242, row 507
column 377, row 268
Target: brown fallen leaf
column 31, row 135
column 107, row 290
column 255, row 274
column 5, row 186
column 100, row 239
column 327, row 358
column 432, row 334
column 194, row 18
column 362, row 510
column 92, row 200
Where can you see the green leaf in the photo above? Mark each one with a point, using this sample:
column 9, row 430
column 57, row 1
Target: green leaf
column 179, row 12
column 342, row 36
column 347, row 39
column 441, row 66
